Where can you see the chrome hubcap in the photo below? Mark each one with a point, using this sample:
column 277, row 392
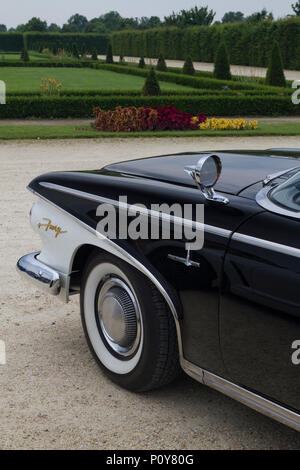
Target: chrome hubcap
column 119, row 316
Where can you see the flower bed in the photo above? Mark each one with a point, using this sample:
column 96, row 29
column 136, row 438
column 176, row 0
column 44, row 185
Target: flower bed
column 50, row 87
column 134, row 119
column 227, row 124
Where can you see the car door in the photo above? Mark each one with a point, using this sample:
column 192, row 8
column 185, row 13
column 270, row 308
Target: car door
column 260, row 307
column 199, row 284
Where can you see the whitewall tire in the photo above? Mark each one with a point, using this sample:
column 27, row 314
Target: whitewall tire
column 128, row 327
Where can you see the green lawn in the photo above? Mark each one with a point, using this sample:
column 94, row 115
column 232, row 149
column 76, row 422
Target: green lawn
column 69, row 131
column 29, row 79
column 35, row 56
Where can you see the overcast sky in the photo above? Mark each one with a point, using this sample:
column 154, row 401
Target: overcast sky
column 15, row 12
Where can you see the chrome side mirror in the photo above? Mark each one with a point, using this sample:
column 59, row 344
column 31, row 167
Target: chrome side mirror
column 206, row 175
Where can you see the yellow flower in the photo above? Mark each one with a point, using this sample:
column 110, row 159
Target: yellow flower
column 228, row 124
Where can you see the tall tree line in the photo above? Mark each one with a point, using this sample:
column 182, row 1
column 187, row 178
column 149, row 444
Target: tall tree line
column 113, row 21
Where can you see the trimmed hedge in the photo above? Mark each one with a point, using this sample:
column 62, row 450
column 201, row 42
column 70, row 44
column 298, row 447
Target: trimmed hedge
column 187, row 80
column 89, row 41
column 11, row 42
column 247, row 43
column 64, row 106
column 137, row 92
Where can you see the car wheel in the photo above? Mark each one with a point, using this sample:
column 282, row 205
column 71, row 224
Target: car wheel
column 128, row 326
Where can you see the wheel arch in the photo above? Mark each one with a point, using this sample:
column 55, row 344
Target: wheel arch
column 83, row 252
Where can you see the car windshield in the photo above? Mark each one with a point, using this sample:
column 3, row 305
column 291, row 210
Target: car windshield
column 287, row 194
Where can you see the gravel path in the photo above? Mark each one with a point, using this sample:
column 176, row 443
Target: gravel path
column 53, row 396
column 240, row 70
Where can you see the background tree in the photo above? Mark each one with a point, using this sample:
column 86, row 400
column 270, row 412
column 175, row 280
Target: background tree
column 112, row 21
column 233, row 17
column 188, row 68
column 222, row 65
column 76, row 23
column 36, row 24
column 149, row 23
column 193, row 17
column 109, row 54
column 54, row 28
column 69, row 28
column 275, row 74
column 258, row 16
column 3, row 28
column 296, row 8
column 129, row 23
column 151, row 87
column 161, row 64
column 96, row 25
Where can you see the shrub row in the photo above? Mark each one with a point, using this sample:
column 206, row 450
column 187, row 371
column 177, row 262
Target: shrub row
column 72, row 106
column 248, row 44
column 188, row 92
column 123, row 93
column 193, row 82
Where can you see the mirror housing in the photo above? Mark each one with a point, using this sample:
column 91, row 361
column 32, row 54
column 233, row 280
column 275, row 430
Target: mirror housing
column 206, row 174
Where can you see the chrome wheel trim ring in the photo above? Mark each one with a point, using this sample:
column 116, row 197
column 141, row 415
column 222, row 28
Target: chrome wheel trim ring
column 115, row 363
column 119, row 316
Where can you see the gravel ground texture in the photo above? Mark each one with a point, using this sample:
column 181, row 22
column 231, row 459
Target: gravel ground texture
column 53, row 395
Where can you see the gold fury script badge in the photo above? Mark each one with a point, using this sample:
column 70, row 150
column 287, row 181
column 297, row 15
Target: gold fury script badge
column 49, row 226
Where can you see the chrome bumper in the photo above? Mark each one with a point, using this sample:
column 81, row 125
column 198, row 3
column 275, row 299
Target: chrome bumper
column 39, row 273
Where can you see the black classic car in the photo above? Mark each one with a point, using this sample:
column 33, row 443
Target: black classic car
column 187, row 261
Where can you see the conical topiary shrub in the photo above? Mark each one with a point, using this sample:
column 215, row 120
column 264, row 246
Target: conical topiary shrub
column 222, row 65
column 161, row 64
column 109, row 54
column 24, row 52
column 95, row 54
column 188, row 68
column 275, row 74
column 151, row 87
column 142, row 64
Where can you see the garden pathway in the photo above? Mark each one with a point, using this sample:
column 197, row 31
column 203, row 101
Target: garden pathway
column 241, row 70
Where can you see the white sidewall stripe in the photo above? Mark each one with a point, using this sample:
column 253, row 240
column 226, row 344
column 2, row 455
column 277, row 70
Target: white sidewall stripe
column 107, row 359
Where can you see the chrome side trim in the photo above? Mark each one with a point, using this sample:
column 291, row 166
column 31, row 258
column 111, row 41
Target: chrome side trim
column 124, row 206
column 284, row 150
column 267, row 245
column 274, row 176
column 118, row 251
column 43, row 276
column 251, row 399
column 263, row 201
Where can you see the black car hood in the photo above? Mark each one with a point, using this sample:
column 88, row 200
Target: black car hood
column 240, row 169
